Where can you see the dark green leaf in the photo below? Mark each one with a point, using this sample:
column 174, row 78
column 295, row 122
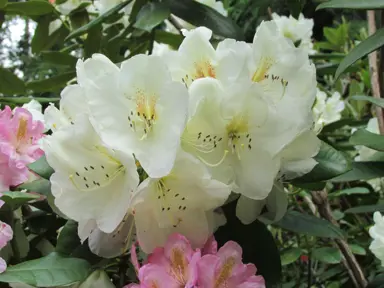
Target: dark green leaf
column 327, row 56
column 10, row 83
column 362, row 171
column 367, row 46
column 378, row 282
column 201, row 15
column 93, row 41
column 79, row 19
column 137, row 5
column 366, row 209
column 350, row 191
column 21, row 240
column 3, row 3
column 100, row 19
column 29, row 8
column 59, row 58
column 369, row 139
column 329, row 255
column 290, row 256
column 171, row 39
column 307, row 224
column 68, row 239
column 352, row 4
column 16, row 199
column 378, row 102
column 51, row 84
column 42, row 40
column 41, row 186
column 357, row 249
column 151, row 15
column 257, row 243
column 50, row 271
column 330, row 164
column 41, row 167
column 343, row 122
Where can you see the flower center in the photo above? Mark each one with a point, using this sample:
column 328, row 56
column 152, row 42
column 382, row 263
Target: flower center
column 22, row 129
column 238, row 135
column 179, row 266
column 142, row 120
column 201, row 69
column 225, row 272
column 262, row 70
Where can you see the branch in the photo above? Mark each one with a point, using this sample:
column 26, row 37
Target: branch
column 374, row 69
column 320, row 199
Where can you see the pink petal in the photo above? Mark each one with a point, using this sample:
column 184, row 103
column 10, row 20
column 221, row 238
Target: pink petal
column 206, row 269
column 152, row 275
column 177, row 241
column 6, row 234
column 231, row 250
column 3, row 265
column 192, row 270
column 210, row 246
column 253, row 282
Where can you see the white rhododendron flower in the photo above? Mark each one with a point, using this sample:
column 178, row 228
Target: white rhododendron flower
column 297, row 30
column 91, row 181
column 177, row 202
column 377, row 233
column 223, row 133
column 35, row 108
column 144, row 113
column 327, row 109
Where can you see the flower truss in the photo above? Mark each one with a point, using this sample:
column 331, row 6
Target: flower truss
column 177, row 264
column 156, row 145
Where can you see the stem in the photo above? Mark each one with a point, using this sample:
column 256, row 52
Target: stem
column 374, row 69
column 320, row 199
column 175, row 23
column 381, row 75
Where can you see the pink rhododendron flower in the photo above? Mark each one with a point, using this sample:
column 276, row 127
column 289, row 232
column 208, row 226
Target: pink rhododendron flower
column 6, row 235
column 19, row 136
column 177, row 265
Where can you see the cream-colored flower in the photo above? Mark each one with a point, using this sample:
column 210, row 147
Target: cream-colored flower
column 377, row 233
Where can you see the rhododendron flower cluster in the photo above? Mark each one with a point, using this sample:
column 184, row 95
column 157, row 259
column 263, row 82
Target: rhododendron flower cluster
column 177, row 264
column 6, row 235
column 19, row 145
column 155, row 145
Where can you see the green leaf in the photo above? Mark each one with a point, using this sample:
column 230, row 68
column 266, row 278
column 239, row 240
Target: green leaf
column 29, row 8
column 350, row 191
column 342, row 123
column 41, row 167
column 377, row 282
column 329, row 255
column 362, row 171
column 378, row 102
column 51, row 84
column 16, row 199
column 3, row 3
column 93, row 42
column 41, row 186
column 100, row 19
column 327, row 56
column 369, row 139
column 290, row 256
column 369, row 45
column 330, row 164
column 136, row 7
column 307, row 224
column 365, row 209
column 21, row 240
column 357, row 249
column 171, row 39
column 201, row 15
column 42, row 40
column 352, row 4
column 50, row 271
column 10, row 83
column 68, row 239
column 59, row 58
column 151, row 15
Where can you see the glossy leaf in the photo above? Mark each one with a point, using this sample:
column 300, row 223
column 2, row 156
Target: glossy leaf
column 310, row 225
column 378, row 102
column 100, row 19
column 201, row 15
column 151, row 15
column 50, row 271
column 68, row 239
column 30, row 8
column 329, row 255
column 51, row 84
column 171, row 39
column 350, row 191
column 365, row 209
column 369, row 139
column 290, row 256
column 59, row 58
column 41, row 167
column 357, row 249
column 15, row 199
column 10, row 83
column 362, row 171
column 352, row 4
column 41, row 186
column 21, row 240
column 330, row 164
column 367, row 46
